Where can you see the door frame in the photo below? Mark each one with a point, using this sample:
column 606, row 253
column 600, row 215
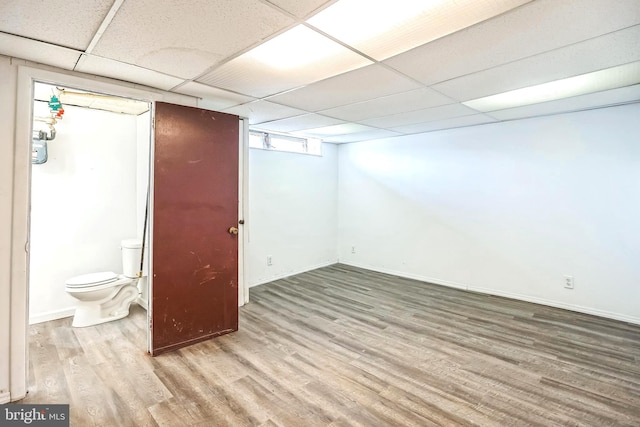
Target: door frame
column 20, row 227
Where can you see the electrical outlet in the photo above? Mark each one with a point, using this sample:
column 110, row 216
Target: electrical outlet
column 353, row 249
column 568, row 282
column 269, row 260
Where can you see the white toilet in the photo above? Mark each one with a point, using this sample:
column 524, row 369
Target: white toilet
column 106, row 296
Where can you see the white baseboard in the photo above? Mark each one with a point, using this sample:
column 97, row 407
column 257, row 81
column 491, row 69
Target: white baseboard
column 291, row 273
column 487, row 291
column 557, row 304
column 5, row 397
column 51, row 315
column 142, row 303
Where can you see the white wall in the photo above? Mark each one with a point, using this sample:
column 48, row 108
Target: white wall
column 506, row 208
column 82, row 204
column 292, row 213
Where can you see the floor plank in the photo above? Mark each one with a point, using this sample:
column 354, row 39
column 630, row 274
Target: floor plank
column 342, row 346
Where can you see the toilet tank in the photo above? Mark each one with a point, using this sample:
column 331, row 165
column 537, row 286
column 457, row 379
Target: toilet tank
column 131, row 252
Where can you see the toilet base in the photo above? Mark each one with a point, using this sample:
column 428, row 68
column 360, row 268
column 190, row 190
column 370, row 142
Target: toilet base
column 114, row 307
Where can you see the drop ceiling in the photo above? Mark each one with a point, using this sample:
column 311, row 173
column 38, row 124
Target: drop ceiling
column 352, row 70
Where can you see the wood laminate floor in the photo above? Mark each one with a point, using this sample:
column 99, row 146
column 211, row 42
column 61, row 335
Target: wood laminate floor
column 342, row 346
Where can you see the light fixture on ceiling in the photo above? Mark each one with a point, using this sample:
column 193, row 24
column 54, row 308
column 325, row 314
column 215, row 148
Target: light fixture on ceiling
column 383, row 29
column 295, row 48
column 374, row 17
column 292, row 59
column 610, row 78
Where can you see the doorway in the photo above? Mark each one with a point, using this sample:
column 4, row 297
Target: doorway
column 21, row 207
column 89, row 185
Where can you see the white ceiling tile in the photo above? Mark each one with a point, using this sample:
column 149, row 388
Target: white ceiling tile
column 70, row 23
column 533, row 43
column 383, row 29
column 212, row 98
column 392, row 104
column 264, row 111
column 603, row 52
column 343, row 134
column 118, row 70
column 300, row 8
column 185, row 40
column 31, row 50
column 576, row 103
column 217, row 104
column 456, row 122
column 252, row 76
column 536, row 27
column 338, row 129
column 292, row 124
column 420, row 116
column 359, row 85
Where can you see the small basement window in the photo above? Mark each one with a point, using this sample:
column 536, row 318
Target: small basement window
column 288, row 143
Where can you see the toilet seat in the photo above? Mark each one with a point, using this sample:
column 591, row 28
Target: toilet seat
column 91, row 280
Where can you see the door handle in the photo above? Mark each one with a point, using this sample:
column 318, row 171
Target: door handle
column 233, row 230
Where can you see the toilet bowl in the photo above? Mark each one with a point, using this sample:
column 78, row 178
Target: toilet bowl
column 102, row 297
column 106, row 296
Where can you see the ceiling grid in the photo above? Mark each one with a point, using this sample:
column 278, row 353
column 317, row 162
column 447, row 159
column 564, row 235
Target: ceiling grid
column 347, row 70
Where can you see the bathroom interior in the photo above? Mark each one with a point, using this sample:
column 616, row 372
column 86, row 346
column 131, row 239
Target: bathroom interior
column 89, row 192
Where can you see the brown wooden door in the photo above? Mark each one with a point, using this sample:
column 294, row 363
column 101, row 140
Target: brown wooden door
column 195, row 203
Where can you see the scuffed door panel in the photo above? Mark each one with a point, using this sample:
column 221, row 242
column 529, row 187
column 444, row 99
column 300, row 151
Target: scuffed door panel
column 195, row 257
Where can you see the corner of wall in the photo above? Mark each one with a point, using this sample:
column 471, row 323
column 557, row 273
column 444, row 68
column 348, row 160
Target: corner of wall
column 504, row 208
column 292, row 213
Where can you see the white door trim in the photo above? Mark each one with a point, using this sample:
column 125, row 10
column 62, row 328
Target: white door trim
column 243, row 209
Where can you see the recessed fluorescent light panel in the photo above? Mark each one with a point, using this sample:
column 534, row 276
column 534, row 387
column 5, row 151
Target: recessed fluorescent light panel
column 611, row 78
column 294, row 58
column 298, row 47
column 382, row 29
